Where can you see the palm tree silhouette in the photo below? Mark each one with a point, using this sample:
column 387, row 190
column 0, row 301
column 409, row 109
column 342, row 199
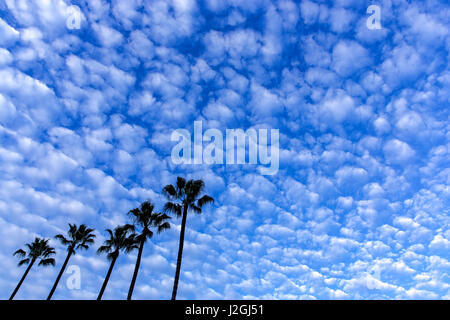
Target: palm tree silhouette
column 39, row 249
column 122, row 238
column 79, row 238
column 144, row 218
column 183, row 197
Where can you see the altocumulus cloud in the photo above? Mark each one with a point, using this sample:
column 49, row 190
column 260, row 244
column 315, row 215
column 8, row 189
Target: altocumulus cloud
column 359, row 206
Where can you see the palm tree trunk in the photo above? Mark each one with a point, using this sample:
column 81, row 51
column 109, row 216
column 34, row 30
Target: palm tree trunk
column 107, row 277
column 69, row 254
column 21, row 280
column 136, row 269
column 180, row 254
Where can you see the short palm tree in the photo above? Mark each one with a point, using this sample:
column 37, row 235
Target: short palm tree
column 184, row 197
column 122, row 238
column 144, row 218
column 79, row 238
column 39, row 249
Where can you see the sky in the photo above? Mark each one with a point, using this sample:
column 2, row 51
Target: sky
column 359, row 208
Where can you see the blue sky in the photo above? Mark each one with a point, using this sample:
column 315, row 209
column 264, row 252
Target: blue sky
column 359, row 208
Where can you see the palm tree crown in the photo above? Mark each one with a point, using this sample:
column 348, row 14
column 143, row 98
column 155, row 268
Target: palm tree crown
column 79, row 238
column 121, row 238
column 145, row 218
column 38, row 249
column 185, row 195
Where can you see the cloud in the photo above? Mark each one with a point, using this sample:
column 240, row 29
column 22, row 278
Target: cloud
column 398, row 152
column 349, row 57
column 8, row 34
column 337, row 107
column 309, row 11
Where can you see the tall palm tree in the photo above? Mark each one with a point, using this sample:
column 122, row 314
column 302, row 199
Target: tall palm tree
column 184, row 197
column 79, row 238
column 144, row 218
column 122, row 238
column 39, row 249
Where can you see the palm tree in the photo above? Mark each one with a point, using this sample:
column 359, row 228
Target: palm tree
column 144, row 218
column 39, row 249
column 184, row 197
column 122, row 238
column 79, row 238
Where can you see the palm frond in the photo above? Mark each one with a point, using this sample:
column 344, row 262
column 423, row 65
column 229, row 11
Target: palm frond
column 130, row 244
column 134, row 214
column 204, row 200
column 89, row 239
column 128, row 228
column 73, row 231
column 30, row 246
column 82, row 246
column 63, row 240
column 112, row 255
column 170, row 192
column 23, row 261
column 181, row 184
column 146, row 233
column 48, row 252
column 104, row 249
column 89, row 232
column 109, row 231
column 147, row 207
column 193, row 189
column 143, row 237
column 20, row 253
column 159, row 218
column 131, row 248
column 195, row 208
column 46, row 262
column 172, row 207
column 163, row 226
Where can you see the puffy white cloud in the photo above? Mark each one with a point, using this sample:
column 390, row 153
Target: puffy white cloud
column 440, row 244
column 8, row 33
column 341, row 19
column 349, row 57
column 107, row 36
column 382, row 125
column 264, row 102
column 309, row 11
column 5, row 57
column 398, row 152
column 402, row 64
